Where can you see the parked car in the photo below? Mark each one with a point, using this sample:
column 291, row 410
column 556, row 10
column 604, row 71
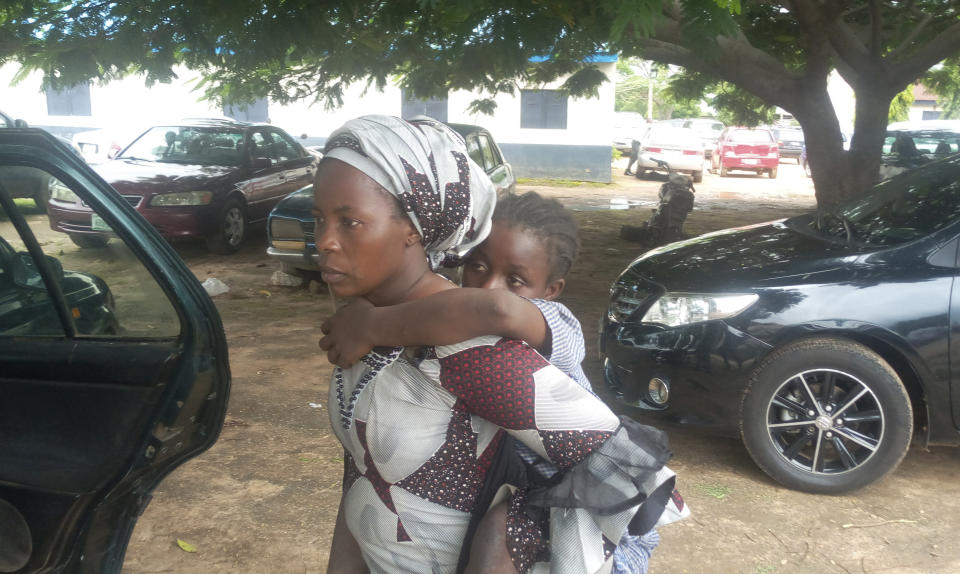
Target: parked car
column 708, row 130
column 27, row 183
column 680, row 147
column 824, row 340
column 202, row 179
column 290, row 226
column 746, row 149
column 627, row 126
column 789, row 142
column 111, row 375
column 909, row 145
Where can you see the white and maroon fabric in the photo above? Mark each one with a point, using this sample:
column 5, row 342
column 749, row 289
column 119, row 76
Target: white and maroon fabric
column 420, row 435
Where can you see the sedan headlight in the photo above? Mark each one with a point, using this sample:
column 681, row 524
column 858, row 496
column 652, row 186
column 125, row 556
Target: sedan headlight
column 675, row 309
column 286, row 234
column 182, row 198
column 60, row 192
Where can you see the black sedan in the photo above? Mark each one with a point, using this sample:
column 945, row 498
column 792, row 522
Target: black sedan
column 202, row 179
column 824, row 341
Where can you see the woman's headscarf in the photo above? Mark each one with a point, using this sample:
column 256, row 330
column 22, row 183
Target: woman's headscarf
column 425, row 165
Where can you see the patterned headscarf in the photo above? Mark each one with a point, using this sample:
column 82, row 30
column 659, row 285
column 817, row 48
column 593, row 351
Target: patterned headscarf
column 425, row 165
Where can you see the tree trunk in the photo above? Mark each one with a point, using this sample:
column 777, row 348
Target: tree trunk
column 839, row 175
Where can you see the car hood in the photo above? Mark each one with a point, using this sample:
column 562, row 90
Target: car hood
column 137, row 176
column 297, row 205
column 764, row 254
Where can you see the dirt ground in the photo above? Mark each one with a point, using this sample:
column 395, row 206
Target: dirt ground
column 265, row 497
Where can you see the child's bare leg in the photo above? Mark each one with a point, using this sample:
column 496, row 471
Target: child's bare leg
column 488, row 551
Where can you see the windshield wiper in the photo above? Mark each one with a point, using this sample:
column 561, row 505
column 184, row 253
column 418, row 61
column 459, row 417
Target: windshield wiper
column 848, row 228
column 134, row 158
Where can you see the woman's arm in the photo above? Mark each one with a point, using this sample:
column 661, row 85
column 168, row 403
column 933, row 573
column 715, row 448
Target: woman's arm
column 345, row 557
column 444, row 318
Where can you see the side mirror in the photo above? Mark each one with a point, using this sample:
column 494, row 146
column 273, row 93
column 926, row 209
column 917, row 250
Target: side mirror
column 261, row 163
column 20, row 123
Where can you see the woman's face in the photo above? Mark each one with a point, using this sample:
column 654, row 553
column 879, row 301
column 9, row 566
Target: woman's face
column 360, row 235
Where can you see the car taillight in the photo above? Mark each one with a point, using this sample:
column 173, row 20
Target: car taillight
column 692, row 152
column 653, row 149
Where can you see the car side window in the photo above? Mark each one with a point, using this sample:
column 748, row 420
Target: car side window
column 106, row 291
column 284, row 148
column 473, row 149
column 490, row 159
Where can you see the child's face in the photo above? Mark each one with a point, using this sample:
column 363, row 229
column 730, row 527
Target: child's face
column 512, row 258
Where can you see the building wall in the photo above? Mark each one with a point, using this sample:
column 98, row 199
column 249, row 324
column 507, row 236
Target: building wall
column 126, row 107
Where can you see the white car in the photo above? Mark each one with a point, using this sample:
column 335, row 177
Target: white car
column 680, row 148
column 909, row 145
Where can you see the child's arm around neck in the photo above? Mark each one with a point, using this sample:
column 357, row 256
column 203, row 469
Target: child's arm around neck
column 443, row 318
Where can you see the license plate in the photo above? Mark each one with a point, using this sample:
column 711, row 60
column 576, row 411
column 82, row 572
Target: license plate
column 98, row 224
column 750, row 162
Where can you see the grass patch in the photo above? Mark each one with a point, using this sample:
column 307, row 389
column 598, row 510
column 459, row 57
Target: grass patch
column 715, row 490
column 542, row 181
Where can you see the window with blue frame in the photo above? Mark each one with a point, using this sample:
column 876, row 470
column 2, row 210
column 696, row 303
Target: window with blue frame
column 435, row 108
column 257, row 112
column 543, row 109
column 72, row 101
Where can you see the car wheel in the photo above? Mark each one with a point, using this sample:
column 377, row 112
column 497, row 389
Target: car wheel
column 826, row 416
column 231, row 228
column 724, row 172
column 90, row 241
column 772, row 173
column 697, row 176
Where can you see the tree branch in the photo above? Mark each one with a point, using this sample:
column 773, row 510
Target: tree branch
column 874, row 29
column 910, row 68
column 912, row 36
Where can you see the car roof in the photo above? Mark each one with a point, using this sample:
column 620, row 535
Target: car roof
column 467, row 129
column 925, row 125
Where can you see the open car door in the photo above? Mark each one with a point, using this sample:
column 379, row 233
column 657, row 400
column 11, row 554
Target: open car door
column 113, row 367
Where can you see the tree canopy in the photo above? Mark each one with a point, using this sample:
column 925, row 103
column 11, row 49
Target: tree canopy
column 779, row 51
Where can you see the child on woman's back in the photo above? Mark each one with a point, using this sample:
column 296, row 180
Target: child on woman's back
column 510, row 283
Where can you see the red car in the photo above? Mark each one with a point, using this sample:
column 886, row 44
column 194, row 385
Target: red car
column 746, row 149
column 204, row 179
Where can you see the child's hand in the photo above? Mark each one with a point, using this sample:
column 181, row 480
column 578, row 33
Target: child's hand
column 347, row 335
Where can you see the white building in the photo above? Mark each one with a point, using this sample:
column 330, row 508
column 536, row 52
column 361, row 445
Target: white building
column 542, row 132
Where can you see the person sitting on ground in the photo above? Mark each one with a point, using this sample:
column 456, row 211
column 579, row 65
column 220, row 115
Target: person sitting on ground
column 511, row 283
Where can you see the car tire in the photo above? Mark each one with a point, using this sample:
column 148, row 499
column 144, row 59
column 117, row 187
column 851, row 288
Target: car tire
column 724, row 172
column 697, row 176
column 231, row 228
column 772, row 172
column 89, row 241
column 862, row 421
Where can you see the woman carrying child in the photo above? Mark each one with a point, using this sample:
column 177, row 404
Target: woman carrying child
column 419, row 425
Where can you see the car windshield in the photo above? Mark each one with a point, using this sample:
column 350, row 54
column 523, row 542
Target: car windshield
column 188, row 145
column 750, row 136
column 898, row 210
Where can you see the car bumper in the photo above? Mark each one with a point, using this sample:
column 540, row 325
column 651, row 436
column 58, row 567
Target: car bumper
column 687, row 163
column 705, row 367
column 749, row 163
column 172, row 222
column 791, row 153
column 297, row 259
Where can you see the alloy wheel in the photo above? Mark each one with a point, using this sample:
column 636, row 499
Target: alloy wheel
column 825, row 421
column 233, row 226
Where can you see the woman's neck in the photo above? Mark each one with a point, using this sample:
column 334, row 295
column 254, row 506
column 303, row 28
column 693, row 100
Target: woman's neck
column 414, row 286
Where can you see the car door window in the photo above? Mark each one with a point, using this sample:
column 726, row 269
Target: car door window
column 490, row 156
column 474, row 151
column 261, row 144
column 284, row 148
column 106, row 290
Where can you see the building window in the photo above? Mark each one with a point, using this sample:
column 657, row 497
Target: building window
column 931, row 115
column 256, row 112
column 72, row 101
column 543, row 109
column 435, row 108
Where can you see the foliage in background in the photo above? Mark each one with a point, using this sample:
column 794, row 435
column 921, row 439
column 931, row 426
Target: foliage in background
column 944, row 81
column 900, row 106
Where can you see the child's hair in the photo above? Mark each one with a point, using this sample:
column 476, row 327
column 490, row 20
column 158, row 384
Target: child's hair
column 549, row 220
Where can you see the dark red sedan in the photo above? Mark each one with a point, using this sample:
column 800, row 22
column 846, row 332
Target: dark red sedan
column 204, row 179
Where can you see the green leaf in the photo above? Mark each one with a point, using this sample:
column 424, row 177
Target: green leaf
column 186, row 546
